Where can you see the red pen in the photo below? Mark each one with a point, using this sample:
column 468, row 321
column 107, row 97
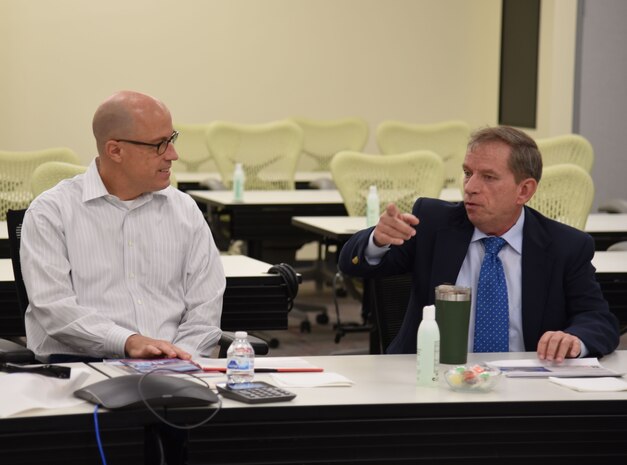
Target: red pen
column 270, row 370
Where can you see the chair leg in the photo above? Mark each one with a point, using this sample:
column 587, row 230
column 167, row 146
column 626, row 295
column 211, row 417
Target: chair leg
column 341, row 329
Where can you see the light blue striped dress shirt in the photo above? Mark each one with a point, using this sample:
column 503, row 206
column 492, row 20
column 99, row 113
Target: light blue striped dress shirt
column 98, row 270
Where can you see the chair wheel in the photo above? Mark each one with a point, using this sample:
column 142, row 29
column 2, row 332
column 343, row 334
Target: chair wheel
column 322, row 319
column 305, row 327
column 341, row 292
column 273, row 343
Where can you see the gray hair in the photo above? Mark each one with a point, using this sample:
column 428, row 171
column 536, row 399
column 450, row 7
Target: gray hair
column 525, row 160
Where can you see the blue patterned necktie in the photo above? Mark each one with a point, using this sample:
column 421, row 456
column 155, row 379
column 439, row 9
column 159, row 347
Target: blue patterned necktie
column 492, row 313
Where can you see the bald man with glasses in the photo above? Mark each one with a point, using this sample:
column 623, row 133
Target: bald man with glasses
column 116, row 262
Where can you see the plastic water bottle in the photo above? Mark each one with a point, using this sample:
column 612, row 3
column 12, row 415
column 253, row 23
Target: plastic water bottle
column 428, row 353
column 240, row 365
column 238, row 183
column 372, row 207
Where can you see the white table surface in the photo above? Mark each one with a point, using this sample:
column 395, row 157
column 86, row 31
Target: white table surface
column 606, row 222
column 271, row 197
column 235, row 266
column 243, row 266
column 292, row 197
column 610, row 262
column 391, row 379
column 299, row 176
column 597, row 223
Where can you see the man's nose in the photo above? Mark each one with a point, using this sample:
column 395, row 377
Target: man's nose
column 470, row 185
column 171, row 153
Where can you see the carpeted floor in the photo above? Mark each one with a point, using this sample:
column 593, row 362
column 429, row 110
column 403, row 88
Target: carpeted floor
column 321, row 339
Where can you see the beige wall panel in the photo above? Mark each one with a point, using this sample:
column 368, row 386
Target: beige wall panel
column 248, row 61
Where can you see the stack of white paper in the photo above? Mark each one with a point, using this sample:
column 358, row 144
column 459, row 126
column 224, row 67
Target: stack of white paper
column 26, row 391
column 592, row 384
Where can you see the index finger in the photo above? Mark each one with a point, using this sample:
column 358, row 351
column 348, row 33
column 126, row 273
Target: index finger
column 543, row 345
column 392, row 211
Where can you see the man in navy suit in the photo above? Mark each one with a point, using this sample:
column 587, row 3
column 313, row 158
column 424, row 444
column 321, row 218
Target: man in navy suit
column 556, row 307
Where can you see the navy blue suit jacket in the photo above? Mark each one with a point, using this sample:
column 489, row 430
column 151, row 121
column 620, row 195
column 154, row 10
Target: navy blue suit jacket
column 559, row 288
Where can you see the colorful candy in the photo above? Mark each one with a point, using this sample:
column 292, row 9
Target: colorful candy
column 472, row 377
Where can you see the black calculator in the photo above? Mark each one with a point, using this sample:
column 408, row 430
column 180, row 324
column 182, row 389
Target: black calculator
column 255, row 392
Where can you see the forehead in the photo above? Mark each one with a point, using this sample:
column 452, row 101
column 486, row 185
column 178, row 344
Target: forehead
column 154, row 124
column 488, row 156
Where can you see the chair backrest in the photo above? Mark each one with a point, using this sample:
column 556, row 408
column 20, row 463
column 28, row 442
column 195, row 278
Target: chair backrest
column 9, row 350
column 268, row 152
column 14, row 226
column 565, row 194
column 568, row 148
column 192, row 149
column 16, row 169
column 387, row 300
column 48, row 175
column 448, row 139
column 324, row 138
column 399, row 178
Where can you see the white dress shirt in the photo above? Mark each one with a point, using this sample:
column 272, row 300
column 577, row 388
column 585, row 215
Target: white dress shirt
column 98, row 270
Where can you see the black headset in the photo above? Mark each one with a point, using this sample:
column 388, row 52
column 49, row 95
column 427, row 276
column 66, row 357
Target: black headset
column 290, row 278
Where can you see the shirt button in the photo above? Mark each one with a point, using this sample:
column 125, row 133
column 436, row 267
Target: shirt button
column 131, row 275
column 139, row 301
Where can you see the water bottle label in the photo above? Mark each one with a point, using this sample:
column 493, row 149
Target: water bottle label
column 242, row 364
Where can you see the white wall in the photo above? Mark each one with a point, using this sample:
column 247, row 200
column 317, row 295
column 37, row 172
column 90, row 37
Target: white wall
column 259, row 60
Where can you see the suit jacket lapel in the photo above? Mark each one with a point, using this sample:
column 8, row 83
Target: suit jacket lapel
column 451, row 246
column 537, row 265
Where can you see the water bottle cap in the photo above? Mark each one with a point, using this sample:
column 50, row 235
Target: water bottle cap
column 373, row 189
column 428, row 313
column 241, row 334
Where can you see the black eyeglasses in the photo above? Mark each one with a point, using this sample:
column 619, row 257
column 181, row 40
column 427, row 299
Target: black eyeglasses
column 160, row 146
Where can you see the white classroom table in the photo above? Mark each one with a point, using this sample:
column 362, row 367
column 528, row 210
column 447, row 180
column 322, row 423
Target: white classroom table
column 340, row 228
column 198, row 177
column 247, row 280
column 383, row 416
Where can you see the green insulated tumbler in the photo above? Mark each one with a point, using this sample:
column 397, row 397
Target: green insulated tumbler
column 452, row 313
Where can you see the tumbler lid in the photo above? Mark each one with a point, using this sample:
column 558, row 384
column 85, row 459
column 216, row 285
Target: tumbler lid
column 449, row 292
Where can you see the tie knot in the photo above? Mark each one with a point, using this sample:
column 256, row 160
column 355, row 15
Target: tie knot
column 493, row 244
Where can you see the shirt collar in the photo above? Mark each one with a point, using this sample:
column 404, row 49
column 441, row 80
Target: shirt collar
column 94, row 188
column 513, row 237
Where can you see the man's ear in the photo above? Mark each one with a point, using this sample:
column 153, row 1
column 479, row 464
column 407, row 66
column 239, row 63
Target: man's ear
column 113, row 151
column 526, row 189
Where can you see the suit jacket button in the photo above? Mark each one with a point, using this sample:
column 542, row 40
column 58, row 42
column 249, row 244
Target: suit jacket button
column 355, row 260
